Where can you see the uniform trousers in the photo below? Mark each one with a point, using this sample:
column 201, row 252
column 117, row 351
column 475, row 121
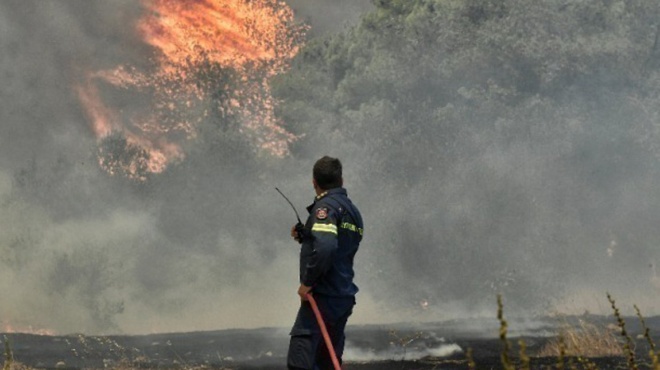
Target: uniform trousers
column 307, row 349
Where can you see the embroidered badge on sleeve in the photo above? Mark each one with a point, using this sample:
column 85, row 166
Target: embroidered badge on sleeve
column 321, row 213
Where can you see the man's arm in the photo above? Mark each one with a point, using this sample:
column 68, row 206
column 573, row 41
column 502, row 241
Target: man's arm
column 324, row 236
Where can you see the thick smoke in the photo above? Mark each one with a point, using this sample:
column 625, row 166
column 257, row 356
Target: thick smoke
column 205, row 245
column 495, row 152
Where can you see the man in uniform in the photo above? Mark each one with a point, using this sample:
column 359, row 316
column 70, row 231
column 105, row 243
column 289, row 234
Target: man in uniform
column 330, row 239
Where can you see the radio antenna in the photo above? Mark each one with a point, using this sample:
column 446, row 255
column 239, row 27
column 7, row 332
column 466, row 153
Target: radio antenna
column 291, row 204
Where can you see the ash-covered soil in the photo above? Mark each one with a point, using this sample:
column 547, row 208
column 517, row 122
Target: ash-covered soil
column 440, row 345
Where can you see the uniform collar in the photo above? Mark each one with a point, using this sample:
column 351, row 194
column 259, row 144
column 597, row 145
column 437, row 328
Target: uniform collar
column 329, row 192
column 325, row 194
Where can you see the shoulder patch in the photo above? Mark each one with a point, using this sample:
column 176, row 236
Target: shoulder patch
column 322, row 213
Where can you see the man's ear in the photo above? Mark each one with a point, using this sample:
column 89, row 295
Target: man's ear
column 341, row 182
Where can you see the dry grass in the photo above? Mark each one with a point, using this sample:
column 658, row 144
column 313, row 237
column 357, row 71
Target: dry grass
column 573, row 343
column 18, row 366
column 9, row 357
column 585, row 340
column 590, row 341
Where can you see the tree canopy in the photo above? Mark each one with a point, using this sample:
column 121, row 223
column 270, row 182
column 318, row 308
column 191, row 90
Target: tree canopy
column 494, row 138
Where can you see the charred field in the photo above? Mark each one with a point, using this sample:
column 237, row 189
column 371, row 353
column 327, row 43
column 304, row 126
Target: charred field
column 456, row 344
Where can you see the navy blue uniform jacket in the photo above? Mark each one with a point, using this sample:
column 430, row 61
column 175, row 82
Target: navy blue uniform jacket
column 333, row 233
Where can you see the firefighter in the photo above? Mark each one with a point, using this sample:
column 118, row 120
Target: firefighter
column 330, row 239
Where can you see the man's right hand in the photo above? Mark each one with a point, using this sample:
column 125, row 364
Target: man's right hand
column 294, row 234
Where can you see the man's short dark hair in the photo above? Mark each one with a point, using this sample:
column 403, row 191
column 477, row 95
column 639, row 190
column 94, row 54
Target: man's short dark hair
column 327, row 173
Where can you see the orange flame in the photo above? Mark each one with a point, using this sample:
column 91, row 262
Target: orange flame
column 238, row 34
column 10, row 329
column 229, row 32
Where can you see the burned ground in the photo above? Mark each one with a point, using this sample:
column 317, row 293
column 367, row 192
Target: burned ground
column 397, row 346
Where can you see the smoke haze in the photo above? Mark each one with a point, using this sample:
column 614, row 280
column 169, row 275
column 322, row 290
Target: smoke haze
column 83, row 251
column 330, row 16
column 205, row 244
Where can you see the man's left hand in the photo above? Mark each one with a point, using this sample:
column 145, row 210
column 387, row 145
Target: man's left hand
column 303, row 290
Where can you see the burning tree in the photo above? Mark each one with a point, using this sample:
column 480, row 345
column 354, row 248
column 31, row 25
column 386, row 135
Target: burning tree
column 211, row 59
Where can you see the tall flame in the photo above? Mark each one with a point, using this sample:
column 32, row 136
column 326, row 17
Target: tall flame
column 256, row 39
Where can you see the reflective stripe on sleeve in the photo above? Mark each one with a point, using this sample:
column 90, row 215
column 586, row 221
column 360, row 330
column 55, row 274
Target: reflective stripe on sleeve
column 349, row 226
column 325, row 228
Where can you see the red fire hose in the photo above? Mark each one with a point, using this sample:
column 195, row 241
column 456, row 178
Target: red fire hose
column 324, row 331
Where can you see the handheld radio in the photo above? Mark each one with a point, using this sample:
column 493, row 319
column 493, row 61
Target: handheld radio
column 300, row 228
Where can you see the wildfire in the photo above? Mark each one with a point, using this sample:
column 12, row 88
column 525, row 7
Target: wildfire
column 227, row 31
column 255, row 39
column 10, row 329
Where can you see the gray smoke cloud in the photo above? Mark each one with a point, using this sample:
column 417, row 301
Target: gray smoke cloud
column 82, row 251
column 207, row 246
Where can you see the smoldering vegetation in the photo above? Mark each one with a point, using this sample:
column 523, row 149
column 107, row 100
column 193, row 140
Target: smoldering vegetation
column 493, row 147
